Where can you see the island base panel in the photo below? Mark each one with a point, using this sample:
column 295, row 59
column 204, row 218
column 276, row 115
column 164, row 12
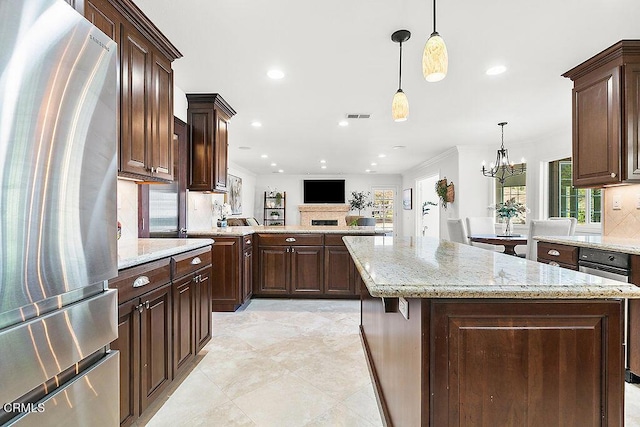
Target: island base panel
column 497, row 362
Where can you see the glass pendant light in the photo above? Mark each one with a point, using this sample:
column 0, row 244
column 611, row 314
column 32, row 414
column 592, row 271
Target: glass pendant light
column 400, row 105
column 435, row 60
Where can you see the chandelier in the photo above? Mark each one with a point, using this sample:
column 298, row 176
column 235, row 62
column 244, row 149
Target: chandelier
column 503, row 168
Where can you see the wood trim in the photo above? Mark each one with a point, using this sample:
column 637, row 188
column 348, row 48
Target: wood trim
column 216, row 99
column 618, row 50
column 181, row 157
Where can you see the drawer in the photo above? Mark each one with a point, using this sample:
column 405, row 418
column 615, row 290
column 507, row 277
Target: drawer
column 291, row 239
column 558, row 253
column 559, row 264
column 247, row 241
column 334, row 239
column 133, row 282
column 189, row 262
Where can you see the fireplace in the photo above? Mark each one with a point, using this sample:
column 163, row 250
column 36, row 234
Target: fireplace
column 317, row 214
column 324, row 222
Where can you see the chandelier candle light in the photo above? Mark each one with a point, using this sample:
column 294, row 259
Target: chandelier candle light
column 503, row 168
column 435, row 60
column 400, row 105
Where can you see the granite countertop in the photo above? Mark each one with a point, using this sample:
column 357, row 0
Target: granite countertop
column 431, row 268
column 134, row 252
column 615, row 244
column 243, row 231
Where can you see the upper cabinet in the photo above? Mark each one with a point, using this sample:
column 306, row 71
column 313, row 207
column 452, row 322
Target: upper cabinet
column 606, row 94
column 146, row 89
column 208, row 116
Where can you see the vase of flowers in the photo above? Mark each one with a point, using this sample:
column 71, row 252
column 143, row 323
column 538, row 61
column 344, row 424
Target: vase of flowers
column 222, row 210
column 508, row 210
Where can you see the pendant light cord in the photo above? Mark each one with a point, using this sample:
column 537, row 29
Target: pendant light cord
column 400, row 73
column 434, row 16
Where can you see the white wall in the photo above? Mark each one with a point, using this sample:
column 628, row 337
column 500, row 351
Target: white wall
column 292, row 184
column 179, row 103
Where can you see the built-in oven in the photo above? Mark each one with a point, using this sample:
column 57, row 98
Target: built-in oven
column 615, row 266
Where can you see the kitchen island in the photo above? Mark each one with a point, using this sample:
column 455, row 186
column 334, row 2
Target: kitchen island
column 456, row 335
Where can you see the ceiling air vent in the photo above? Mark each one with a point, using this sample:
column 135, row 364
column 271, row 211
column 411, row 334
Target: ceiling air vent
column 358, row 116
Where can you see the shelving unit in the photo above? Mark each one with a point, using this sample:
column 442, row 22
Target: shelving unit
column 274, row 208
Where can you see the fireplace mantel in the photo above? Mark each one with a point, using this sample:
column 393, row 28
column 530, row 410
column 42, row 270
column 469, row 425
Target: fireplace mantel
column 327, row 211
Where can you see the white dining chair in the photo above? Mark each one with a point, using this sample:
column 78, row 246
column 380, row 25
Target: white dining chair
column 457, row 232
column 574, row 222
column 482, row 225
column 545, row 227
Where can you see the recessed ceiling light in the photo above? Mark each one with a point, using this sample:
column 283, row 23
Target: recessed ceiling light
column 367, row 170
column 256, row 124
column 264, row 156
column 398, row 147
column 374, row 164
column 273, row 164
column 275, row 74
column 243, row 147
column 382, row 155
column 323, row 161
column 343, row 123
column 280, row 171
column 498, row 69
column 323, row 167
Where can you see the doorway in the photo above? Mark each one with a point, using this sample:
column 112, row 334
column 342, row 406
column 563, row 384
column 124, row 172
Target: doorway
column 427, row 209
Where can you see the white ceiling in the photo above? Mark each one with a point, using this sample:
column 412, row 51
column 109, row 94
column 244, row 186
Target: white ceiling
column 338, row 58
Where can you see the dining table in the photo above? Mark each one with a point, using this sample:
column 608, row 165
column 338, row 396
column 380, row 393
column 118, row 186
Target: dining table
column 508, row 241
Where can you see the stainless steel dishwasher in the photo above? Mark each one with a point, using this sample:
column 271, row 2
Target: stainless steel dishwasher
column 615, row 266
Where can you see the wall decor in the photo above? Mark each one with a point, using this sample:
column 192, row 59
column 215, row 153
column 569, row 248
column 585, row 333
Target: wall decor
column 407, row 199
column 445, row 192
column 235, row 194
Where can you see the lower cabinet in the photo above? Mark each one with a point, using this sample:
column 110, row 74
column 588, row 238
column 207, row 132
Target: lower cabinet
column 339, row 269
column 162, row 324
column 233, row 276
column 558, row 255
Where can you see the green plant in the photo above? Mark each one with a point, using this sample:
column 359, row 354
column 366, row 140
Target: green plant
column 275, row 213
column 510, row 209
column 278, row 199
column 360, row 200
column 426, row 207
column 444, row 191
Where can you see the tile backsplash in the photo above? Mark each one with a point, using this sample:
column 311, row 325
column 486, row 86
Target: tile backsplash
column 128, row 208
column 623, row 222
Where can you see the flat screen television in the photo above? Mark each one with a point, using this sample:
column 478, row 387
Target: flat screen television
column 324, row 191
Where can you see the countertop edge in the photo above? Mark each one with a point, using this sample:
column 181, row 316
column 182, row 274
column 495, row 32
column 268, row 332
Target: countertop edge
column 152, row 254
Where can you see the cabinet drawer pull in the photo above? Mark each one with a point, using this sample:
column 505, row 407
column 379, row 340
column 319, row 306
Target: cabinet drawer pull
column 553, row 252
column 141, row 281
column 555, row 264
column 613, row 174
column 248, row 242
column 196, row 261
column 290, row 239
column 146, row 304
column 204, row 279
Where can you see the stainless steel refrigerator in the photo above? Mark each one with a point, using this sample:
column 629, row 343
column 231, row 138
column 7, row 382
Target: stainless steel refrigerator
column 58, row 101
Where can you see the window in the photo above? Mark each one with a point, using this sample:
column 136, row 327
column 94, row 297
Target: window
column 567, row 201
column 383, row 208
column 515, row 187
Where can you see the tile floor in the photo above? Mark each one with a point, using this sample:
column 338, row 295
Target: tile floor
column 286, row 363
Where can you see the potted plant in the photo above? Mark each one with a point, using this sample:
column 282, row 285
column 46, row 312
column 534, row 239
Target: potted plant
column 508, row 210
column 222, row 210
column 359, row 200
column 275, row 215
column 445, row 192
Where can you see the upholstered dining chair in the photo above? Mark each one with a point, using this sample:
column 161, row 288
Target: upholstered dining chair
column 545, row 227
column 574, row 222
column 482, row 225
column 457, row 232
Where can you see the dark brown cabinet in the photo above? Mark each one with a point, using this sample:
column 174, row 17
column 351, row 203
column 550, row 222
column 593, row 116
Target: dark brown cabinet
column 290, row 264
column 559, row 255
column 191, row 305
column 606, row 116
column 233, row 258
column 146, row 88
column 208, row 117
column 339, row 269
column 144, row 336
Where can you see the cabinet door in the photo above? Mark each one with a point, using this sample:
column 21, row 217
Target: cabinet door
column 128, row 344
column 104, row 16
column 161, row 146
column 135, row 95
column 596, row 129
column 247, row 275
column 306, row 270
column 201, row 126
column 155, row 344
column 227, row 272
column 184, row 294
column 203, row 308
column 221, row 148
column 632, row 120
column 339, row 270
column 274, row 264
